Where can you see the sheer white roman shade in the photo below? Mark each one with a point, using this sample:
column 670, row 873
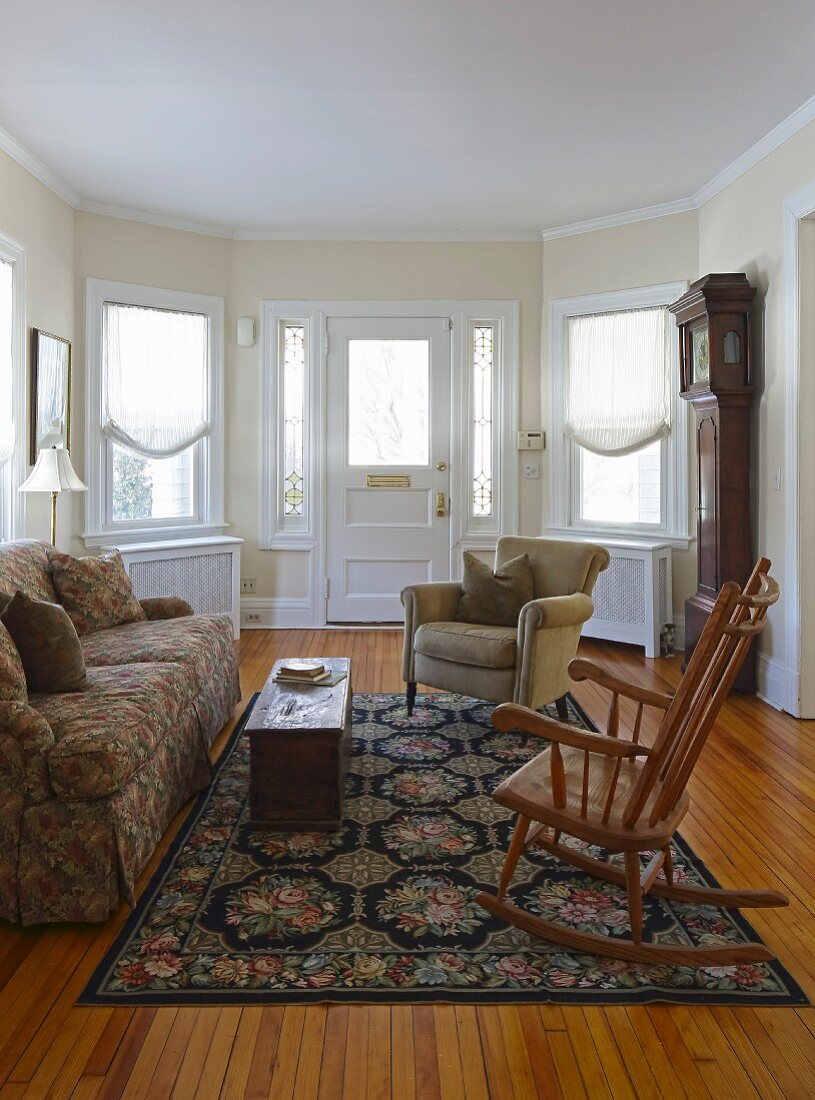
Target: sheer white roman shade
column 7, row 433
column 616, row 394
column 154, row 378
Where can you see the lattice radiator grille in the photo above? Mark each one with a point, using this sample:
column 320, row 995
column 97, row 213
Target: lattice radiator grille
column 633, row 598
column 621, row 595
column 203, row 580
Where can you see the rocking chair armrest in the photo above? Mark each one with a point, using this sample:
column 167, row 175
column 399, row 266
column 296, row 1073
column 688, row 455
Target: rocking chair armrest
column 511, row 716
column 581, row 669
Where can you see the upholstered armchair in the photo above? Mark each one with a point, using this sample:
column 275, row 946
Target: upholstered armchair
column 527, row 664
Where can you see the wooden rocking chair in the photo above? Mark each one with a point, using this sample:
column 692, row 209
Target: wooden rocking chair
column 626, row 797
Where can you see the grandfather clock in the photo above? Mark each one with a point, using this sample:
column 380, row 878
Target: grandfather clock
column 716, row 378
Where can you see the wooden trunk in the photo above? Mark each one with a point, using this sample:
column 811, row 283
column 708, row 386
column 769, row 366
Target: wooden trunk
column 300, row 739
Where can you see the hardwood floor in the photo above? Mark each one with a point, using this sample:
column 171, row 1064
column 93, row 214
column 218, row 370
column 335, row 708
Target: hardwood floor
column 751, row 821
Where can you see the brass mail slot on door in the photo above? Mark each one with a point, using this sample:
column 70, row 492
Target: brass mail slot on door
column 387, row 481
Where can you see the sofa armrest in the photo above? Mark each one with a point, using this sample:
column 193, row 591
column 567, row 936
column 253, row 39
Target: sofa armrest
column 426, row 603
column 24, row 727
column 554, row 611
column 166, row 607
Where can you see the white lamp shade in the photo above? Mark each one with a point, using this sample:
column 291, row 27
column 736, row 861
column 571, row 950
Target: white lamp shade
column 53, row 473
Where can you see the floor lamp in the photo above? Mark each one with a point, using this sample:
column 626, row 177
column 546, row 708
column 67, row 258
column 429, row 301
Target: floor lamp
column 53, row 473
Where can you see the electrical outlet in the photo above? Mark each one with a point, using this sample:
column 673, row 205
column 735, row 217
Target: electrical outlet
column 251, row 617
column 247, row 585
column 532, row 469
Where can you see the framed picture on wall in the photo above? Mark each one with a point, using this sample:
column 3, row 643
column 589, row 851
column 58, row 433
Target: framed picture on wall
column 50, row 392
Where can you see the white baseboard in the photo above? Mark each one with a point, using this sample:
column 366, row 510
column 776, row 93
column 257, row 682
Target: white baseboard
column 293, row 613
column 270, row 612
column 776, row 684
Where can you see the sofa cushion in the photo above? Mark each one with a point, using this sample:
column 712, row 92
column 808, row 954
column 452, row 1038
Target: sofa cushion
column 106, row 732
column 24, row 567
column 200, row 642
column 465, row 644
column 12, row 674
column 47, row 642
column 96, row 592
column 494, row 598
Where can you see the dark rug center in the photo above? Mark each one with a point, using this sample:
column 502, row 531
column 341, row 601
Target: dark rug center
column 385, row 909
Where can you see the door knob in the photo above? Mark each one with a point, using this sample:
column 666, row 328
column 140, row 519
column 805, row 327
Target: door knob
column 441, row 466
column 440, row 508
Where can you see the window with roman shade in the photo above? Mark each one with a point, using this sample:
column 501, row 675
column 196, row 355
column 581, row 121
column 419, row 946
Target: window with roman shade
column 155, row 425
column 618, row 461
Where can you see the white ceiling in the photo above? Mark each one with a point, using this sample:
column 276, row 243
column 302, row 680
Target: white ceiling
column 493, row 117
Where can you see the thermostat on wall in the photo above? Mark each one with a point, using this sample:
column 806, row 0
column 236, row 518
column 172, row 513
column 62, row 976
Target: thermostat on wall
column 531, row 441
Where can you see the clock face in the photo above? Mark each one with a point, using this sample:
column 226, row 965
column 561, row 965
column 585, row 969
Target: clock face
column 700, row 355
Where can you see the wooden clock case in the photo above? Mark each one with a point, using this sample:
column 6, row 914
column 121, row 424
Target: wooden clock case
column 721, row 391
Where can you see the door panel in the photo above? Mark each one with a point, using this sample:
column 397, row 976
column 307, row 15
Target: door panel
column 388, row 417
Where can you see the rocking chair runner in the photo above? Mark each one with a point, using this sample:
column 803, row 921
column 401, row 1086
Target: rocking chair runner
column 626, row 797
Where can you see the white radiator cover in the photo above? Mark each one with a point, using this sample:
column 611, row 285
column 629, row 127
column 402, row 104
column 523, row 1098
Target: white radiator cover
column 633, row 597
column 204, row 572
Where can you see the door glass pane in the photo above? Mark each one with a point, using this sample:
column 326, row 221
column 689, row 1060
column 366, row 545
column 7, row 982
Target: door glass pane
column 621, row 489
column 294, row 397
column 483, row 349
column 388, row 402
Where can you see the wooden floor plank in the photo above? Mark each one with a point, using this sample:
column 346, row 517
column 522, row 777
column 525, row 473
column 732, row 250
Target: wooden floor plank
column 236, row 1076
column 752, row 819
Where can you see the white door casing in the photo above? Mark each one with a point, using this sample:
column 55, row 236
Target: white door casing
column 388, row 416
column 308, row 534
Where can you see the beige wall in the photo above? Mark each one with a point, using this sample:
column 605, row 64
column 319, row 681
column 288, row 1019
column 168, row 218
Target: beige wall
column 741, row 229
column 35, row 217
column 661, row 250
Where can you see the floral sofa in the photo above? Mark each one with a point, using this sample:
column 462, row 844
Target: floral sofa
column 89, row 781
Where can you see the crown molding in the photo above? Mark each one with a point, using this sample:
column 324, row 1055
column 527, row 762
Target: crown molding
column 383, row 235
column 771, row 141
column 786, row 129
column 129, row 214
column 625, row 217
column 35, row 166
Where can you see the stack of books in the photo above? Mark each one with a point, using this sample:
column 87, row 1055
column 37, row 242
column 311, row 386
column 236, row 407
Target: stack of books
column 303, row 672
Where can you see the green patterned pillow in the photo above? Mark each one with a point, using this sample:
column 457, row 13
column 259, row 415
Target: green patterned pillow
column 495, row 599
column 96, row 592
column 47, row 642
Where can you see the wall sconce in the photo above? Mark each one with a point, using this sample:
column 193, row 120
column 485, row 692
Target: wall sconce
column 246, row 332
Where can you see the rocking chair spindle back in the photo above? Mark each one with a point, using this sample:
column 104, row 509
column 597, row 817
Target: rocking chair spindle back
column 624, row 796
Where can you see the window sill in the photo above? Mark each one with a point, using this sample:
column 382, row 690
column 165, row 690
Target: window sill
column 628, row 538
column 153, row 535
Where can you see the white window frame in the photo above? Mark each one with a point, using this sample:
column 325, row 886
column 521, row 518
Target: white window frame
column 564, row 466
column 12, row 503
column 278, row 532
column 208, row 473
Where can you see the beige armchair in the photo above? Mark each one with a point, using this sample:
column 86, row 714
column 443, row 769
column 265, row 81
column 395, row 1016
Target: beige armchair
column 526, row 665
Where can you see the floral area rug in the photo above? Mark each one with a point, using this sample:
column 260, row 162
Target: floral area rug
column 385, row 911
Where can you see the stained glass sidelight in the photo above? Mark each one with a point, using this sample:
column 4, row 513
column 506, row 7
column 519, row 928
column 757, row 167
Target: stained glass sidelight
column 294, row 369
column 483, row 355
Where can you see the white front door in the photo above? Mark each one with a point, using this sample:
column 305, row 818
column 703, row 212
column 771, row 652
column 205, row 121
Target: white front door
column 388, row 428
